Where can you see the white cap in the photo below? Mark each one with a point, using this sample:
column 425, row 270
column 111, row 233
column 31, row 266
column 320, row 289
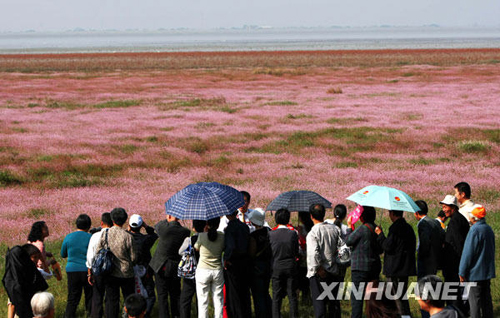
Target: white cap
column 257, row 216
column 135, row 221
column 450, row 200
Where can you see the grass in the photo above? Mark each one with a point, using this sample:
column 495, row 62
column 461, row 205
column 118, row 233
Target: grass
column 337, row 139
column 473, row 146
column 281, row 103
column 283, row 63
column 334, row 90
column 69, row 105
column 7, row 178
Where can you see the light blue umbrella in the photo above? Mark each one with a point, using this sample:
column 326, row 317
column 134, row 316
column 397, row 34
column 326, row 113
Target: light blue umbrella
column 204, row 201
column 384, row 198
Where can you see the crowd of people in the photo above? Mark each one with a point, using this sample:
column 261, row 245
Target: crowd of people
column 239, row 256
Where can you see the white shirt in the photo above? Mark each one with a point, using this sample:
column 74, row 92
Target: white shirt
column 244, row 219
column 92, row 249
column 465, row 208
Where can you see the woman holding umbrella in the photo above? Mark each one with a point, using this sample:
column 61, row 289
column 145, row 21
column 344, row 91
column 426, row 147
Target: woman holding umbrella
column 365, row 257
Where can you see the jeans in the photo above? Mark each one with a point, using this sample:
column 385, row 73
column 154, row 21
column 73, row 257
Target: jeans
column 285, row 283
column 325, row 307
column 78, row 281
column 209, row 280
column 480, row 300
column 112, row 286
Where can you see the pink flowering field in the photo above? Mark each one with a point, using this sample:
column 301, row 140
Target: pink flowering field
column 77, row 141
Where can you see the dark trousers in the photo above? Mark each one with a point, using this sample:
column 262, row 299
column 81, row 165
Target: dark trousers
column 285, row 283
column 149, row 285
column 325, row 307
column 359, row 277
column 451, row 276
column 238, row 304
column 112, row 286
column 168, row 286
column 304, row 285
column 259, row 286
column 97, row 297
column 403, row 303
column 187, row 293
column 480, row 300
column 77, row 281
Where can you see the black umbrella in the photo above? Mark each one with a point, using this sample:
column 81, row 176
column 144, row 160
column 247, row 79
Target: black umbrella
column 296, row 201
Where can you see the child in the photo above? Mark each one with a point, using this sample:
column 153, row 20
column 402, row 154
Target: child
column 135, row 306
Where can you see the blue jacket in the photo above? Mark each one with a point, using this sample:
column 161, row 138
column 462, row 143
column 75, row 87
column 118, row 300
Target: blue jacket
column 478, row 257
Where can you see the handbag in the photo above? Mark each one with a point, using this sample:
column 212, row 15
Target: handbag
column 343, row 253
column 187, row 265
column 103, row 260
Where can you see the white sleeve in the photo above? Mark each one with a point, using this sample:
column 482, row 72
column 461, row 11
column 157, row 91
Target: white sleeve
column 91, row 250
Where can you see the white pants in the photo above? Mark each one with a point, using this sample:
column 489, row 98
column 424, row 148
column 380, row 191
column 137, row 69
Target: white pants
column 209, row 280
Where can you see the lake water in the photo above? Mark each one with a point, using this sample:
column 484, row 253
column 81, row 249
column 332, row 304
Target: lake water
column 251, row 40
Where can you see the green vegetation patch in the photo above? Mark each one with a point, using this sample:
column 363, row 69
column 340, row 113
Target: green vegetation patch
column 117, row 104
column 473, row 146
column 38, row 213
column 336, row 139
column 7, row 178
column 281, row 103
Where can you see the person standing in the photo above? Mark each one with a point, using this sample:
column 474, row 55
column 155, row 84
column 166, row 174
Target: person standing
column 430, row 242
column 74, row 247
column 143, row 244
column 399, row 255
column 22, row 279
column 38, row 233
column 365, row 256
column 285, row 249
column 97, row 281
column 237, row 268
column 477, row 263
column 189, row 285
column 209, row 273
column 164, row 263
column 323, row 241
column 121, row 244
column 242, row 215
column 463, row 193
column 457, row 230
column 261, row 254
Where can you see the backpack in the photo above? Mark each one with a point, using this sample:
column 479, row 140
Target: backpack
column 187, row 265
column 103, row 260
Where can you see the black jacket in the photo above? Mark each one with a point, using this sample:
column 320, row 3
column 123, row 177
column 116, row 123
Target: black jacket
column 143, row 244
column 457, row 230
column 171, row 236
column 399, row 250
column 285, row 248
column 22, row 280
column 430, row 248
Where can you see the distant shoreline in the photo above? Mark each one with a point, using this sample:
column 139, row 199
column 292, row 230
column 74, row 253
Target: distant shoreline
column 258, row 62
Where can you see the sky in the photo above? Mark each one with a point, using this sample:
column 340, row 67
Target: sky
column 61, row 15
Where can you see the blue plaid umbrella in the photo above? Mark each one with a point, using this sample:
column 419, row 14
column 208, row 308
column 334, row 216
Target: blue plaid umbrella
column 204, row 201
column 296, row 201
